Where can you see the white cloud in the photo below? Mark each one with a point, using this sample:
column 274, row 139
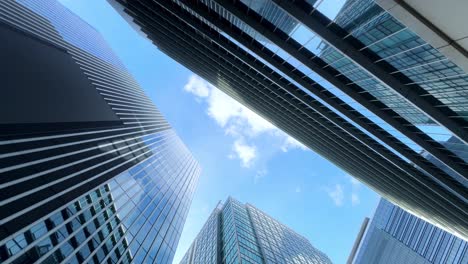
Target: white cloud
column 291, row 143
column 197, row 87
column 354, row 181
column 336, row 194
column 355, row 199
column 245, row 153
column 235, row 117
column 238, row 121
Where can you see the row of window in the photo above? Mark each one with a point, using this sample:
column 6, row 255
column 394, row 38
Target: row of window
column 98, row 222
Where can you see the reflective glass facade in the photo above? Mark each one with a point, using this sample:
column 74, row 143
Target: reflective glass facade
column 205, row 247
column 395, row 236
column 270, row 11
column 405, row 51
column 458, row 148
column 241, row 233
column 90, row 170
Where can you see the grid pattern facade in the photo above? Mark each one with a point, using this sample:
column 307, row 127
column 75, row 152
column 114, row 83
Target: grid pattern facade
column 405, row 51
column 280, row 244
column 115, row 190
column 57, row 233
column 245, row 234
column 204, row 248
column 239, row 241
column 395, row 236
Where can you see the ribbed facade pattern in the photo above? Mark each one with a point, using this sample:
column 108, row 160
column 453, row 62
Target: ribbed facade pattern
column 100, row 191
column 280, row 244
column 238, row 239
column 272, row 12
column 457, row 147
column 223, row 42
column 241, row 233
column 395, row 236
column 73, row 29
column 404, row 50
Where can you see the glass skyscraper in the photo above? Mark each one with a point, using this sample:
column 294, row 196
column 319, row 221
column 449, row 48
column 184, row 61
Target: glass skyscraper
column 241, row 233
column 90, row 171
column 395, row 236
column 407, row 52
column 363, row 101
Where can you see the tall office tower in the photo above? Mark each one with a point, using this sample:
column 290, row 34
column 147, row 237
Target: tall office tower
column 395, row 236
column 90, row 171
column 241, row 233
column 369, row 127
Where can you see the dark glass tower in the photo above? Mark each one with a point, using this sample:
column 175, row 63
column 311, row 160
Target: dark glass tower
column 241, row 233
column 272, row 12
column 395, row 236
column 89, row 169
column 360, row 103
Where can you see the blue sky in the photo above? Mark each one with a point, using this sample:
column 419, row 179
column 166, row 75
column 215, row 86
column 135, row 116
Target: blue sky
column 241, row 154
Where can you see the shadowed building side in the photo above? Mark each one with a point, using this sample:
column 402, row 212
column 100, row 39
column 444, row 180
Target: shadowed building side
column 90, row 171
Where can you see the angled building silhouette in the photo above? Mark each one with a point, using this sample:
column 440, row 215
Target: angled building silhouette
column 241, row 233
column 90, row 170
column 395, row 236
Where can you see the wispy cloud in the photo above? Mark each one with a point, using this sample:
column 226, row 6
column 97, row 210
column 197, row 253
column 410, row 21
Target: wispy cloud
column 238, row 121
column 245, row 153
column 336, row 193
column 354, row 181
column 197, row 87
column 298, row 189
column 355, row 186
column 291, row 143
column 259, row 175
column 355, row 199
